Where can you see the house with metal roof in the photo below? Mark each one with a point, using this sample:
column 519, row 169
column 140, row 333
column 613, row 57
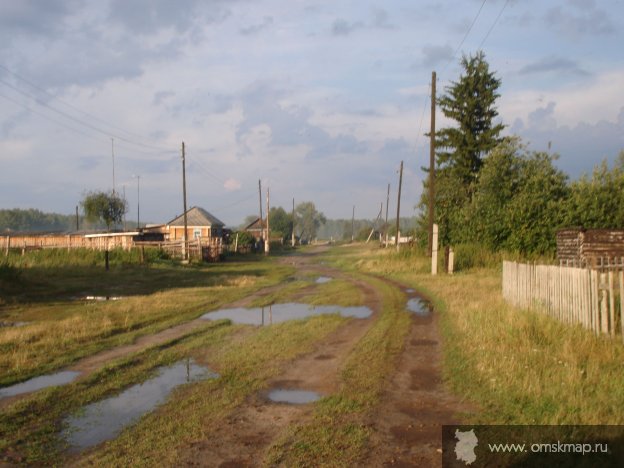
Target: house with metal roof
column 200, row 225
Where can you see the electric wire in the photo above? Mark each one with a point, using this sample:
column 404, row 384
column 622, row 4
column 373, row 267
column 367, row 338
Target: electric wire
column 493, row 24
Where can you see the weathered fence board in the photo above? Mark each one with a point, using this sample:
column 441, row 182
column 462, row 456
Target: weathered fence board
column 572, row 295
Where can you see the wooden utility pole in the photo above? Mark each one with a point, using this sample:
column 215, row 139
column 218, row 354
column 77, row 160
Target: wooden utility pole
column 185, row 245
column 432, row 160
column 396, row 242
column 77, row 219
column 260, row 202
column 267, row 245
column 293, row 223
column 387, row 204
column 113, row 155
column 352, row 224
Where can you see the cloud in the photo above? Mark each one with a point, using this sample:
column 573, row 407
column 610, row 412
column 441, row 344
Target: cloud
column 256, row 28
column 543, row 117
column 553, row 64
column 149, row 16
column 40, row 18
column 161, row 96
column 434, row 54
column 231, row 185
column 380, row 19
column 341, row 27
column 587, row 20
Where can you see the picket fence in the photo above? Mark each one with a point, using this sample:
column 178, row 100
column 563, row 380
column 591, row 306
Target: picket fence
column 593, row 298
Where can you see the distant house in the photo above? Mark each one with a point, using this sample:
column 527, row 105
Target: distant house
column 256, row 229
column 200, row 225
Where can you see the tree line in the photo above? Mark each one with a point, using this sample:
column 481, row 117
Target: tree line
column 492, row 191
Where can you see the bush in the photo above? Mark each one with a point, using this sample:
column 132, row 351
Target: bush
column 473, row 255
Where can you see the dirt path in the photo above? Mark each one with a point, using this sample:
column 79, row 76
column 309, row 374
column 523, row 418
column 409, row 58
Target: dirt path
column 251, row 429
column 408, row 421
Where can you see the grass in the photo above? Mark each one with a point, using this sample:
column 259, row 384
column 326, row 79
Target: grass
column 199, row 410
column 61, row 330
column 337, row 433
column 518, row 367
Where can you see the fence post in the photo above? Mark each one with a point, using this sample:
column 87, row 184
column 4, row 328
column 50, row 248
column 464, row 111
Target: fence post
column 621, row 278
column 604, row 319
column 611, row 306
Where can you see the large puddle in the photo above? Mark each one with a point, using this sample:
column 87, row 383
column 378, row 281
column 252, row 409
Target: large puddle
column 38, row 383
column 282, row 312
column 293, row 397
column 103, row 420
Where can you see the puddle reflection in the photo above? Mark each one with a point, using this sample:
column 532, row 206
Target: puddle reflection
column 294, row 397
column 419, row 306
column 282, row 312
column 103, row 420
column 323, row 279
column 38, row 383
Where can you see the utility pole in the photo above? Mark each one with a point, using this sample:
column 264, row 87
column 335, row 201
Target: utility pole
column 352, row 224
column 387, row 203
column 260, row 200
column 396, row 242
column 185, row 248
column 267, row 245
column 77, row 219
column 123, row 188
column 138, row 178
column 293, row 223
column 432, row 160
column 113, row 155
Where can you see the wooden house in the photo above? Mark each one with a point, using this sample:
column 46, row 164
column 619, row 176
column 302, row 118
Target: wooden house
column 200, row 225
column 257, row 229
column 582, row 247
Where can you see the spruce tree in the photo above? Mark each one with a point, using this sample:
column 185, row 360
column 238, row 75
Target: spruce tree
column 461, row 148
column 470, row 102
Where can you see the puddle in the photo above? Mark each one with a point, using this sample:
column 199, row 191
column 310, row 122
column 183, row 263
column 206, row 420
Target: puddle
column 323, row 279
column 102, row 298
column 12, row 324
column 38, row 383
column 419, row 306
column 282, row 312
column 294, row 397
column 410, row 291
column 104, row 420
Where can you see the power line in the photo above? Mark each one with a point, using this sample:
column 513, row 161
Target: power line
column 78, row 121
column 465, row 36
column 52, row 96
column 494, row 24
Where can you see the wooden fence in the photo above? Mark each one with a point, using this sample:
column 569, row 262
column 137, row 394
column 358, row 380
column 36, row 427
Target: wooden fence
column 593, row 298
column 206, row 249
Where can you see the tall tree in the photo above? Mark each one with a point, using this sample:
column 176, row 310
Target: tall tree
column 461, row 148
column 281, row 222
column 470, row 102
column 308, row 220
column 108, row 207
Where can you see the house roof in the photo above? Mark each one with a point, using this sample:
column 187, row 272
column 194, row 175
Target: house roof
column 196, row 217
column 256, row 226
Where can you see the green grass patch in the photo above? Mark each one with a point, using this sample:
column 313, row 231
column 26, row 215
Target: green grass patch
column 518, row 367
column 337, row 433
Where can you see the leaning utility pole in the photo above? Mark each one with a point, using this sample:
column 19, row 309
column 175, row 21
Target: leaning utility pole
column 185, row 245
column 432, row 160
column 267, row 245
column 396, row 242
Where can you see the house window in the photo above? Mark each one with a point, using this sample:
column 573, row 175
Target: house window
column 196, row 233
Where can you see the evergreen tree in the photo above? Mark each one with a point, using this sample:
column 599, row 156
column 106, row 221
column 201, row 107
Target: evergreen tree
column 469, row 102
column 460, row 149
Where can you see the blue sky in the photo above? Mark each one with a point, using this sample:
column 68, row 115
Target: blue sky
column 321, row 100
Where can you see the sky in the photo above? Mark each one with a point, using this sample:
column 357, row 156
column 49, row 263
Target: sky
column 320, row 100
